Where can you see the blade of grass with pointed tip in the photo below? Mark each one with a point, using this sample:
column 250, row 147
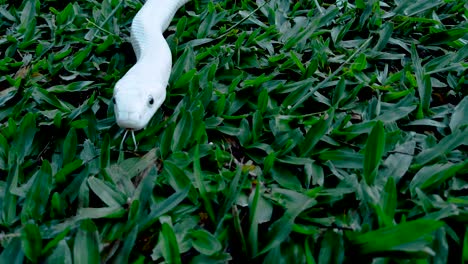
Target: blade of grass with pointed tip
column 60, row 176
column 41, row 95
column 28, row 15
column 433, row 175
column 55, row 242
column 162, row 208
column 460, row 115
column 104, row 157
column 126, row 250
column 107, row 193
column 69, row 146
column 61, row 254
column 339, row 92
column 238, row 229
column 170, row 247
column 86, row 245
column 343, row 158
column 72, row 87
column 409, row 237
column 252, row 239
column 12, row 252
column 315, row 133
column 37, row 197
column 176, row 177
column 285, row 178
column 145, row 187
column 447, row 144
column 182, row 132
column 204, row 242
column 423, row 83
column 24, row 139
column 385, row 34
column 280, row 229
column 103, row 212
column 31, row 241
column 79, row 57
column 9, row 202
column 396, row 114
column 197, row 173
column 130, row 168
column 235, row 188
column 373, row 152
column 443, row 37
column 184, row 63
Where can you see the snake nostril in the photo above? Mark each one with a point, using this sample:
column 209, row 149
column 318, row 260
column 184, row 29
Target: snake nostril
column 151, row 101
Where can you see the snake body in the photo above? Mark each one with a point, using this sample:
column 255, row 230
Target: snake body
column 142, row 90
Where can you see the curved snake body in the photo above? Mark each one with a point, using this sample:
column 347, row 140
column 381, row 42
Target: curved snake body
column 142, row 90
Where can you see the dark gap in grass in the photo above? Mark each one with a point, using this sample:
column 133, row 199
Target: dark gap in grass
column 126, row 50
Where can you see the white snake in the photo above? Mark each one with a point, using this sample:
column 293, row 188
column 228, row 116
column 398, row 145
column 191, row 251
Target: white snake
column 142, row 90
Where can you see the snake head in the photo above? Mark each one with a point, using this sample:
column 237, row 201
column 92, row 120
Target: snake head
column 135, row 104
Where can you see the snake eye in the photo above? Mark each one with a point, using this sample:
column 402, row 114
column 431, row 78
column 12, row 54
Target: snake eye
column 151, row 101
column 113, row 100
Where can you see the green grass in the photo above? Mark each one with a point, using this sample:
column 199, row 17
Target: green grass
column 293, row 132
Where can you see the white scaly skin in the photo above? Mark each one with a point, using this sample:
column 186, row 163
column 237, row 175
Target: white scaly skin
column 142, row 90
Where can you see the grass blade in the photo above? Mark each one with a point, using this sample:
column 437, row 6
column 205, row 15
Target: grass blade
column 197, row 173
column 410, row 238
column 86, row 246
column 373, row 152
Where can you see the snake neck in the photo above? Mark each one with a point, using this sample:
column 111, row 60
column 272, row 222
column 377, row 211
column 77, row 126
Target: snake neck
column 158, row 13
column 155, row 61
column 154, row 58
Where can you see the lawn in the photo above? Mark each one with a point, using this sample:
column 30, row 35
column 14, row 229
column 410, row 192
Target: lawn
column 303, row 131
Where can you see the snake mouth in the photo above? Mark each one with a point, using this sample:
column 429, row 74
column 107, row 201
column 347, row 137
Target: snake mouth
column 129, row 120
